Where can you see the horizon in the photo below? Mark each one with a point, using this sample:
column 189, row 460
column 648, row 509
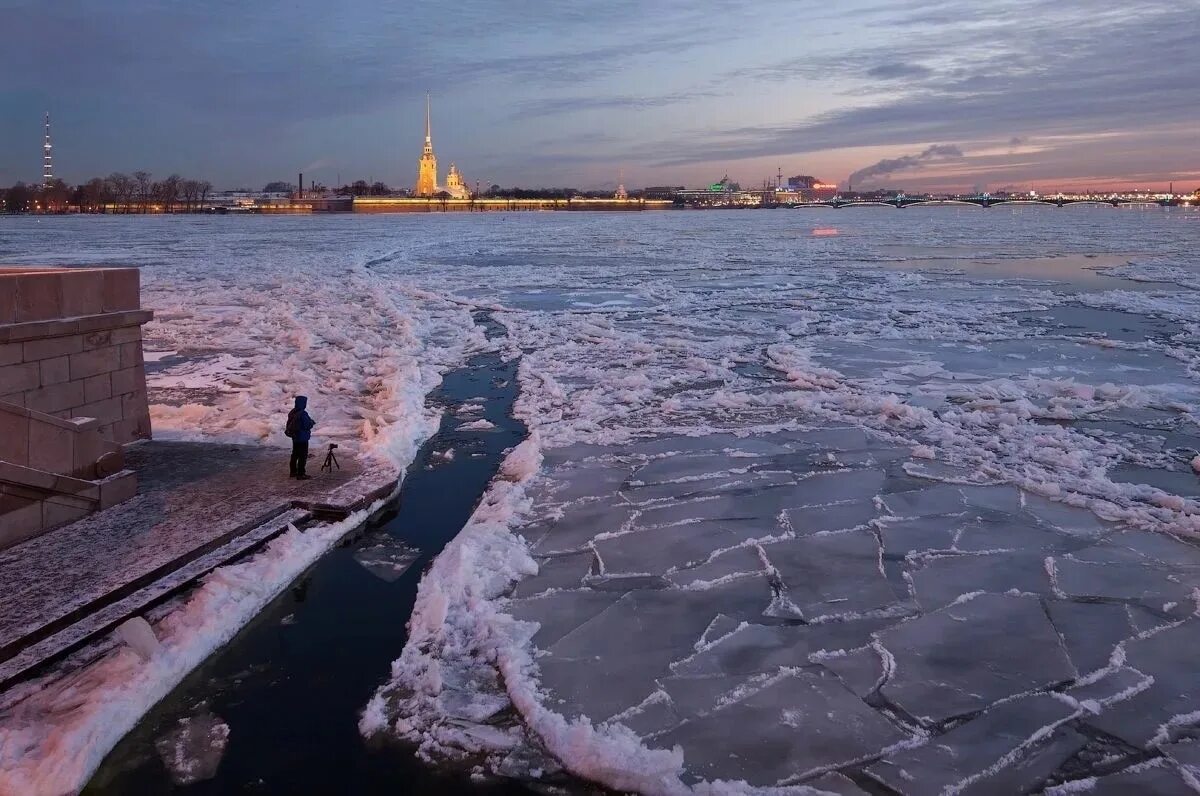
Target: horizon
column 1014, row 96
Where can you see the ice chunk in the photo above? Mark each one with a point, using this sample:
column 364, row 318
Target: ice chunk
column 654, row 715
column 387, row 558
column 192, row 751
column 1161, row 548
column 727, row 564
column 1158, row 713
column 137, row 633
column 1001, row 498
column 799, row 724
column 860, row 670
column 1011, row 748
column 834, row 574
column 1090, row 630
column 1153, row 778
column 1069, row 519
column 838, row 517
column 470, row 692
column 703, row 487
column 556, row 572
column 944, row 578
column 963, row 658
column 1011, row 532
column 1186, row 755
column 560, row 612
column 836, row 439
column 835, row 783
column 928, row 502
column 1115, row 581
column 1116, row 685
column 654, row 629
column 755, row 649
column 583, row 481
column 659, row 550
column 823, row 489
column 903, row 536
column 673, row 468
column 692, row 696
column 578, row 525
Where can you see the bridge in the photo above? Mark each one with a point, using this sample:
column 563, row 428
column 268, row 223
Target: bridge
column 990, row 201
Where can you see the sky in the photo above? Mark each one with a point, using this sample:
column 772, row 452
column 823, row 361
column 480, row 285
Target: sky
column 912, row 94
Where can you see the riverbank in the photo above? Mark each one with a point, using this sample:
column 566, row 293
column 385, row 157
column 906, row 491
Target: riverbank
column 322, row 645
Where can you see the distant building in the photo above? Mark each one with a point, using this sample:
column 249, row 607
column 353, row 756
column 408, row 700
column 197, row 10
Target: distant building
column 661, row 191
column 455, row 186
column 427, row 165
column 427, row 178
column 723, row 193
column 807, row 189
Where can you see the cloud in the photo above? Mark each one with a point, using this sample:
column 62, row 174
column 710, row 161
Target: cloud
column 937, row 152
column 894, row 71
column 239, row 92
column 556, row 106
column 1073, row 70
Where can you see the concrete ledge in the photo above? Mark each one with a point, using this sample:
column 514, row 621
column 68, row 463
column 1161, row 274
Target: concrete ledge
column 31, row 478
column 71, row 583
column 40, row 294
column 69, row 637
column 83, row 324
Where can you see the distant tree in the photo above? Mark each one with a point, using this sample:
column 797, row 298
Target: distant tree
column 166, row 192
column 144, row 187
column 96, row 194
column 204, row 187
column 189, row 192
column 379, row 189
column 279, row 186
column 360, row 188
column 54, row 196
column 17, row 198
column 122, row 188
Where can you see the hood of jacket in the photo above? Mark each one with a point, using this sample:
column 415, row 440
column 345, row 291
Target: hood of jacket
column 301, row 402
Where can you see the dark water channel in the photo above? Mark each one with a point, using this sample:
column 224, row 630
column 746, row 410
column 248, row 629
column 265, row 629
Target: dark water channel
column 291, row 685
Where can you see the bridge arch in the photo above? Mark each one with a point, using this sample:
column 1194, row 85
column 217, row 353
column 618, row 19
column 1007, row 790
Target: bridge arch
column 936, row 202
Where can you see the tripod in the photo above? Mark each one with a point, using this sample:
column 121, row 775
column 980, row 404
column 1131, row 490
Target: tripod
column 330, row 460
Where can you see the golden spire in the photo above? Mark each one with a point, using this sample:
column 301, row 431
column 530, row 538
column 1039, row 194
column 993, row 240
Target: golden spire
column 428, row 127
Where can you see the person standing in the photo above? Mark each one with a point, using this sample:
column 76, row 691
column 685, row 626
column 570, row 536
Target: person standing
column 299, row 427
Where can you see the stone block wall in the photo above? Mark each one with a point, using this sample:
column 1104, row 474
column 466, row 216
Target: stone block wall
column 71, row 346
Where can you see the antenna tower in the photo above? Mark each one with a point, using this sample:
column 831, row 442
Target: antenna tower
column 47, row 157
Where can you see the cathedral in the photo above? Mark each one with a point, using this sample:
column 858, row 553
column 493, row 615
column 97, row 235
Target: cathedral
column 427, row 186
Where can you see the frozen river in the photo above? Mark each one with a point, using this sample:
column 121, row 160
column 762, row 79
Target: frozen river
column 903, row 501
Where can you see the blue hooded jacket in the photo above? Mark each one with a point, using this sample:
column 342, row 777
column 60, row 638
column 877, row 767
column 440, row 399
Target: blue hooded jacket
column 304, row 424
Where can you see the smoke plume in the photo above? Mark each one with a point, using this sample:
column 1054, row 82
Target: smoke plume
column 890, row 165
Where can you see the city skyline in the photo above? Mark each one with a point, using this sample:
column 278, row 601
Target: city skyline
column 1017, row 94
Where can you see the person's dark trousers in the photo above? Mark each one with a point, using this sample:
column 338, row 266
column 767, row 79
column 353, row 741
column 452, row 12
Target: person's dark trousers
column 299, row 458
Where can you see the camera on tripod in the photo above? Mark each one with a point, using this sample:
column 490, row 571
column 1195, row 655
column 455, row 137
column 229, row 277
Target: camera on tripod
column 331, row 460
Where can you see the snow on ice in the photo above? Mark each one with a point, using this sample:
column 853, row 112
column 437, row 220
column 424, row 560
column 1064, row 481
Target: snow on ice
column 829, row 516
column 904, row 505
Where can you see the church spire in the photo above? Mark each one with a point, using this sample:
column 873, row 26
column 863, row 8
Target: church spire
column 428, row 127
column 427, row 166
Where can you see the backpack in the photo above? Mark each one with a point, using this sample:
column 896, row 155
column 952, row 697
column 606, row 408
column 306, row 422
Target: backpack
column 289, row 429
